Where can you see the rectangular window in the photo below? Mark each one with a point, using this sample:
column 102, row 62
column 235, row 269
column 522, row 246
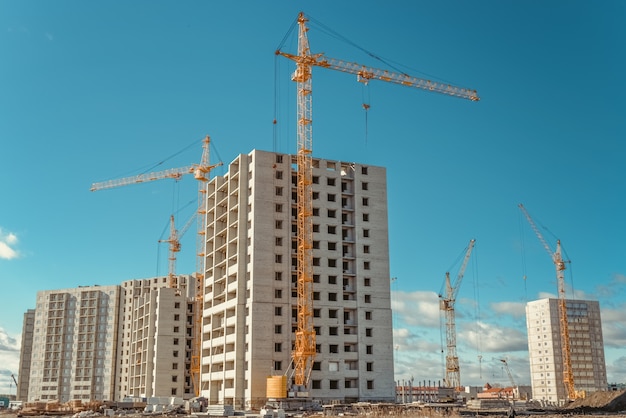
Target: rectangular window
column 370, row 384
column 366, row 265
column 334, row 384
column 367, row 282
column 368, row 332
column 333, row 331
column 368, row 315
column 366, row 201
column 332, row 229
column 278, row 275
column 330, row 182
column 364, row 186
column 368, row 299
column 278, row 365
column 316, row 384
column 278, row 224
column 366, row 217
column 332, row 213
column 278, row 347
column 279, row 175
column 278, row 310
column 369, row 349
column 370, row 366
column 364, row 171
column 332, row 297
column 279, row 191
column 278, row 329
column 366, row 249
column 331, row 197
column 278, row 258
column 333, row 348
column 279, row 207
column 278, row 293
column 366, row 233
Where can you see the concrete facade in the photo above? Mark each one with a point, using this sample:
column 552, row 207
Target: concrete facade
column 249, row 315
column 544, row 347
column 72, row 345
column 28, row 328
column 154, row 339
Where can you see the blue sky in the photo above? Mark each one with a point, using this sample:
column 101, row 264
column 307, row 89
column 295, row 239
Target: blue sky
column 91, row 91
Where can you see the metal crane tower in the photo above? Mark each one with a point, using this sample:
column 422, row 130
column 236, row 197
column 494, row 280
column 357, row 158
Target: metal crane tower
column 304, row 351
column 446, row 305
column 201, row 173
column 559, row 264
column 508, row 372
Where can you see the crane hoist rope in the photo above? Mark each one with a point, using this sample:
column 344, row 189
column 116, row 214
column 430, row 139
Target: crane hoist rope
column 304, row 348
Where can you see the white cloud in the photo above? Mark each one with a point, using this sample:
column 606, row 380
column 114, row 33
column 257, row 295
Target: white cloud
column 7, row 242
column 9, row 360
column 515, row 309
column 416, row 308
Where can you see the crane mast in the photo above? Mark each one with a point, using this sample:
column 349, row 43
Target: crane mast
column 304, row 347
column 446, row 305
column 559, row 264
column 510, row 375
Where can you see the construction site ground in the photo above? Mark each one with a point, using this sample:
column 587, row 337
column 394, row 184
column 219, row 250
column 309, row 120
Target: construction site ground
column 599, row 405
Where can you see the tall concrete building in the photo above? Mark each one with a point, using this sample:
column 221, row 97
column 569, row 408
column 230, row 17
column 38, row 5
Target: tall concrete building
column 72, row 344
column 249, row 315
column 155, row 338
column 546, row 354
column 28, row 327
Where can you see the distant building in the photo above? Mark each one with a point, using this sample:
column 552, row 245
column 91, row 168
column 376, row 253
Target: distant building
column 545, row 348
column 28, row 327
column 73, row 345
column 250, row 295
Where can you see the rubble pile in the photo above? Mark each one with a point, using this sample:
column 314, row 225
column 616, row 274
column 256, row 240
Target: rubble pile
column 604, row 401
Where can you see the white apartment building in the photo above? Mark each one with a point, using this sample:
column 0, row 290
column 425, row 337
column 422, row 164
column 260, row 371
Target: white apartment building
column 155, row 338
column 544, row 347
column 28, row 327
column 72, row 345
column 249, row 315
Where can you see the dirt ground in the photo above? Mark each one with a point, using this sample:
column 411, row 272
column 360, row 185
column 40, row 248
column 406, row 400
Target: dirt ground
column 609, row 404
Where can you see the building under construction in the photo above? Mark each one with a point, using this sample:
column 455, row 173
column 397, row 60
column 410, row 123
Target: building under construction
column 546, row 350
column 96, row 343
column 250, row 294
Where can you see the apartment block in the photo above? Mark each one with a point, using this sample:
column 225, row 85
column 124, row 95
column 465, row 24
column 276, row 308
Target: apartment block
column 28, row 327
column 250, row 309
column 72, row 344
column 546, row 354
column 155, row 338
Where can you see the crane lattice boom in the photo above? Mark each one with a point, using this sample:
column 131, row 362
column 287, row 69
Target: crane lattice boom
column 304, row 351
column 446, row 305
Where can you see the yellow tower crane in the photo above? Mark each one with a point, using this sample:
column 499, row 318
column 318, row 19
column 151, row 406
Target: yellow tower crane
column 201, row 173
column 174, row 246
column 559, row 264
column 446, row 305
column 304, row 350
